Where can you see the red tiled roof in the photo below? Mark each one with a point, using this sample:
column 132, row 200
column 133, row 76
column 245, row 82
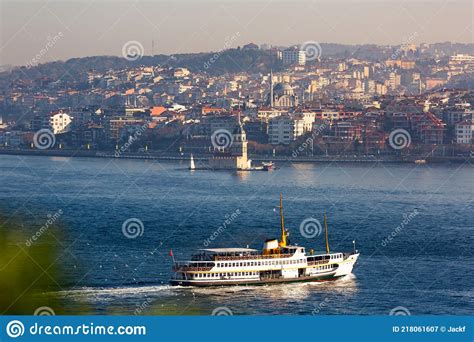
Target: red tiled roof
column 157, row 111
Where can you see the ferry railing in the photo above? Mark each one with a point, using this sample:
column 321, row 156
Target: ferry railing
column 178, row 268
column 251, row 257
column 318, row 262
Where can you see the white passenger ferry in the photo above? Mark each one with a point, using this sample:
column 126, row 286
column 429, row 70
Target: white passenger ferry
column 277, row 263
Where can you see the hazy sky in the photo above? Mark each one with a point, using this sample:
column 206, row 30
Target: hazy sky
column 64, row 29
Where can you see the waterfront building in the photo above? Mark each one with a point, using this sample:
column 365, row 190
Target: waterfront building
column 60, row 122
column 463, row 132
column 114, row 126
column 284, row 130
column 348, row 130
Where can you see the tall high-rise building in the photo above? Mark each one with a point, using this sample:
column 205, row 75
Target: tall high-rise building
column 294, row 56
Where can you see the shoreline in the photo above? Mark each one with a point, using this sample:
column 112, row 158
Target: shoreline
column 255, row 158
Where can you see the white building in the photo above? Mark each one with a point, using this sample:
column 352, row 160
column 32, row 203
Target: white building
column 294, row 57
column 181, row 72
column 463, row 132
column 308, row 120
column 284, row 130
column 461, row 58
column 60, row 122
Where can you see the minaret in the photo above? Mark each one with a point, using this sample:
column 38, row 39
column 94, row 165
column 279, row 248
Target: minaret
column 271, row 88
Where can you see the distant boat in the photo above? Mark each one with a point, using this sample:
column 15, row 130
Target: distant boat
column 420, row 161
column 192, row 166
column 268, row 166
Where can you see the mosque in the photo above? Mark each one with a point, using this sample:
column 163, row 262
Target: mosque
column 281, row 95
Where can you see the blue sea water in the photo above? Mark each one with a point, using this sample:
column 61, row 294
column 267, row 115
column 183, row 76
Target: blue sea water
column 426, row 266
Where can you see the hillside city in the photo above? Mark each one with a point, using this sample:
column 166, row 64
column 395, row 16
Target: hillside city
column 301, row 103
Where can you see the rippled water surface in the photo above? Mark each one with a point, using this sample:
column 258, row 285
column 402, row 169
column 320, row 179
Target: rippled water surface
column 427, row 211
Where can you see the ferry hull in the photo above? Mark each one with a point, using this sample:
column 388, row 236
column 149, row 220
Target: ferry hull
column 247, row 282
